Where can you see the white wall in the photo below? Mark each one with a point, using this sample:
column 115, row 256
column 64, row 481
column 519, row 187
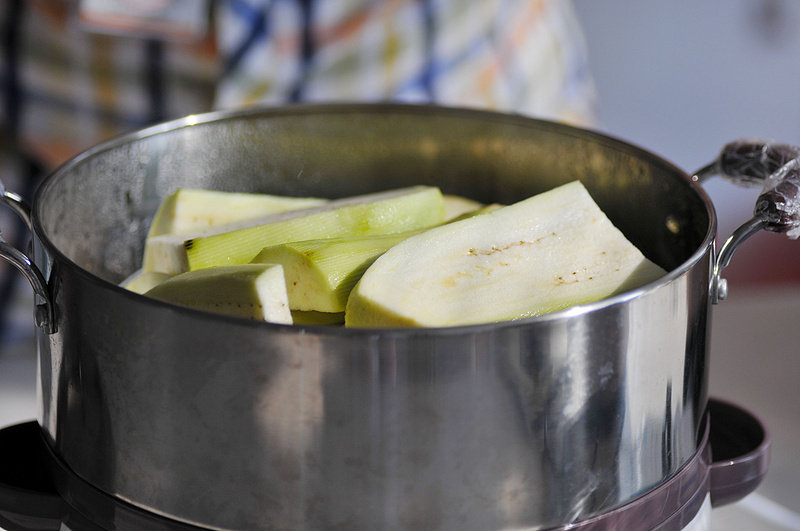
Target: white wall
column 683, row 77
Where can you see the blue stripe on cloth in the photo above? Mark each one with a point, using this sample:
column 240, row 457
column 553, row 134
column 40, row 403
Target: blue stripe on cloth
column 307, row 50
column 433, row 68
column 425, row 80
column 256, row 20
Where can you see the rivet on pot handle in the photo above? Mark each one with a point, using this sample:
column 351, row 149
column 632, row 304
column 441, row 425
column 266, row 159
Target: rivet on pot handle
column 44, row 312
column 776, row 168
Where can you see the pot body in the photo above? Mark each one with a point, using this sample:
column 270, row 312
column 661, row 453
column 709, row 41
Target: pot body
column 228, row 423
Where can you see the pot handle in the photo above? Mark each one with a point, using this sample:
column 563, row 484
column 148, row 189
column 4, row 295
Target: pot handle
column 44, row 312
column 773, row 166
column 740, row 452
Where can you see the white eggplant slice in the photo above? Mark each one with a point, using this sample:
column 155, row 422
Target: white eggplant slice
column 389, row 212
column 456, row 205
column 144, row 281
column 254, row 291
column 485, row 209
column 188, row 210
column 320, row 273
column 548, row 252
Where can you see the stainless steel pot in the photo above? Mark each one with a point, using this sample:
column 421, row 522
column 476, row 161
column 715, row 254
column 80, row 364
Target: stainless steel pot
column 38, row 491
column 229, row 423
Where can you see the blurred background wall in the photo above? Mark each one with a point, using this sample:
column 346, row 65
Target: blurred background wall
column 681, row 78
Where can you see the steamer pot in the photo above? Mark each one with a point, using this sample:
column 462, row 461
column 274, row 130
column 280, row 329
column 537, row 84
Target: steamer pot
column 221, row 422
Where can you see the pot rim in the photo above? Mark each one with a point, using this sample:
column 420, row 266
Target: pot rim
column 210, row 117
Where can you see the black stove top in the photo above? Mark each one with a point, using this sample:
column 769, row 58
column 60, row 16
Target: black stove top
column 32, row 478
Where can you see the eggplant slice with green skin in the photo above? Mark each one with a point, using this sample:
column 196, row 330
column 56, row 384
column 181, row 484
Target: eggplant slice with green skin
column 545, row 253
column 237, row 243
column 144, row 281
column 321, row 273
column 388, row 212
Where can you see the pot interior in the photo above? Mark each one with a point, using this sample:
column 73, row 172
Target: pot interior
column 96, row 209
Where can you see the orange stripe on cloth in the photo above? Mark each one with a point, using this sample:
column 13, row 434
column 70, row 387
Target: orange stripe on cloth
column 354, row 22
column 521, row 29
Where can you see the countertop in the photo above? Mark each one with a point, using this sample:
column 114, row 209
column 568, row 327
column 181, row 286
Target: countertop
column 754, row 362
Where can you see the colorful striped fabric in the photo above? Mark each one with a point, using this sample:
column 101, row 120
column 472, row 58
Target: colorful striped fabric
column 525, row 56
column 65, row 89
